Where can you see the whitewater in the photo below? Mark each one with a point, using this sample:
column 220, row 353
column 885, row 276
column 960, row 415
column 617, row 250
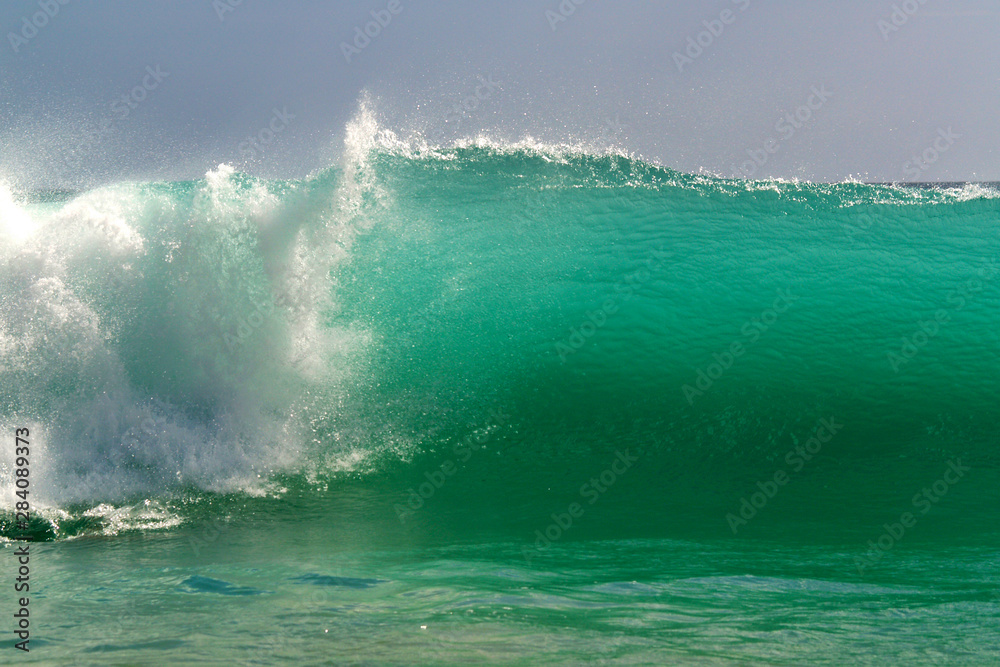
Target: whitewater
column 507, row 402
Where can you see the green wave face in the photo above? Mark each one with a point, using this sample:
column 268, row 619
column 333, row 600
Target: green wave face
column 478, row 339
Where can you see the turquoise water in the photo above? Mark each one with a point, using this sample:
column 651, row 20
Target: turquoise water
column 505, row 404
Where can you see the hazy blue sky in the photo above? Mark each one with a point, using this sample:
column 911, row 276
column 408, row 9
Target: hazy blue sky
column 924, row 81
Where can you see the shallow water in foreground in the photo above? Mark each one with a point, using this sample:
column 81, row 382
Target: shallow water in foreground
column 288, row 591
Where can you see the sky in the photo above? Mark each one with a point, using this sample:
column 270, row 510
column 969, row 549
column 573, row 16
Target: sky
column 876, row 90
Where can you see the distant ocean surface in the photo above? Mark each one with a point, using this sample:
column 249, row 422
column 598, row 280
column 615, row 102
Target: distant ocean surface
column 508, row 404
